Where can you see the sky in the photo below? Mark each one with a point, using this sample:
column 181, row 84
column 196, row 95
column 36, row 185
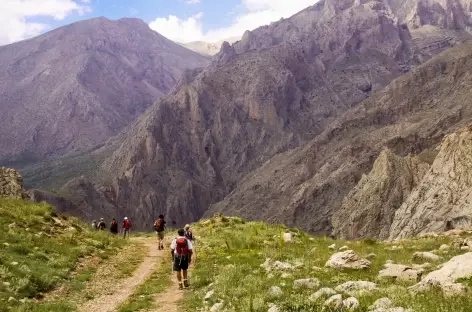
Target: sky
column 179, row 20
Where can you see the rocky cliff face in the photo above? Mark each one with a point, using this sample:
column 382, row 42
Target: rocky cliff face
column 442, row 200
column 76, row 86
column 11, row 183
column 369, row 208
column 410, row 115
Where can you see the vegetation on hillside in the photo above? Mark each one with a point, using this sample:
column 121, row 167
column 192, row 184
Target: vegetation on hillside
column 40, row 250
column 230, row 253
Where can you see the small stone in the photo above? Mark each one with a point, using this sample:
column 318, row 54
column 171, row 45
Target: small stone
column 12, row 299
column 286, row 275
column 343, row 248
column 347, row 260
column 335, row 301
column 311, row 238
column 6, row 244
column 287, row 237
column 14, row 263
column 276, row 292
column 354, row 288
column 24, row 300
column 323, row 292
column 316, row 268
column 371, row 256
column 308, row 283
column 465, row 248
column 273, row 308
column 216, row 307
column 426, row 256
column 209, row 295
column 351, row 303
column 332, row 247
column 381, row 304
column 6, row 284
column 444, row 247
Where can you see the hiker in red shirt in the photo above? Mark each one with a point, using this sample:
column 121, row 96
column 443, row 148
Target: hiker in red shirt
column 126, row 227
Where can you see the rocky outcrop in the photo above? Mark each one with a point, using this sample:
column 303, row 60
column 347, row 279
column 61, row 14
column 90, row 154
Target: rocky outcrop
column 347, row 260
column 442, row 200
column 448, row 275
column 369, row 208
column 11, row 183
column 74, row 87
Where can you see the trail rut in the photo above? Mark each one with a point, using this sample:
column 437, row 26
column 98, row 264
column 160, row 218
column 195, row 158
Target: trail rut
column 111, row 301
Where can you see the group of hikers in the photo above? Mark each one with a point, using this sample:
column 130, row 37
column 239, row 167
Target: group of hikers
column 181, row 249
column 126, row 226
column 181, row 246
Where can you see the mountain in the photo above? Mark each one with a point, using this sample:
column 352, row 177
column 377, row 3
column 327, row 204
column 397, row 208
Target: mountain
column 208, row 48
column 74, row 87
column 283, row 123
column 410, row 116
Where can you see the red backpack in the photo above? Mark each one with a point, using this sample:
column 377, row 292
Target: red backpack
column 127, row 224
column 181, row 248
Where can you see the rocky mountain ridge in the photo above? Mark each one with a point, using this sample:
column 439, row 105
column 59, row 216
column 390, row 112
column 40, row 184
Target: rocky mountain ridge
column 74, row 87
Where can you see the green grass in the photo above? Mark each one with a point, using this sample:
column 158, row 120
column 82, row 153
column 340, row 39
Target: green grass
column 145, row 296
column 39, row 250
column 230, row 250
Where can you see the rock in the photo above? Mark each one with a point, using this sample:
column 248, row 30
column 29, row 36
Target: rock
column 308, row 283
column 12, row 299
column 277, row 265
column 323, row 292
column 24, row 300
column 208, row 295
column 14, row 263
column 343, row 248
column 11, row 184
column 400, row 272
column 456, row 268
column 6, row 244
column 465, row 248
column 426, row 256
column 286, row 275
column 335, row 301
column 389, row 262
column 273, row 308
column 371, row 256
column 444, row 247
column 316, row 268
column 275, row 291
column 332, row 247
column 351, row 303
column 287, row 237
column 347, row 260
column 381, row 304
column 216, row 307
column 355, row 288
column 454, row 289
column 6, row 284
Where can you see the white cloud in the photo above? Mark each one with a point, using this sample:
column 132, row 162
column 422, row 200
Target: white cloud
column 258, row 13
column 192, row 1
column 14, row 15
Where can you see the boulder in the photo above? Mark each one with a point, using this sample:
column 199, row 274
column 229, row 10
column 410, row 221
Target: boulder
column 426, row 256
column 322, row 293
column 446, row 277
column 347, row 260
column 351, row 303
column 399, row 272
column 308, row 283
column 275, row 292
column 355, row 288
column 335, row 302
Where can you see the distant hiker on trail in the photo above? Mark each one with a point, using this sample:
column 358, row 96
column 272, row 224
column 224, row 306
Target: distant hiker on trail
column 94, row 224
column 114, row 226
column 159, row 226
column 181, row 250
column 126, row 227
column 101, row 225
column 188, row 233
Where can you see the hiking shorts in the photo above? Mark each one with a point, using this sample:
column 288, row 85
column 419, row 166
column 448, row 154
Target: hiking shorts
column 181, row 263
column 160, row 234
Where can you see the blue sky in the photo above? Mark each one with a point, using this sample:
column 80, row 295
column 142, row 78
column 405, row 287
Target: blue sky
column 179, row 20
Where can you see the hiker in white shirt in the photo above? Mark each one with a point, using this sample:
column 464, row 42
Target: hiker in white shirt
column 181, row 250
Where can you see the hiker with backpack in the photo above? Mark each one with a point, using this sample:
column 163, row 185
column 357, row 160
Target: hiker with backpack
column 94, row 225
column 126, row 227
column 159, row 226
column 181, row 250
column 114, row 227
column 101, row 225
column 188, row 233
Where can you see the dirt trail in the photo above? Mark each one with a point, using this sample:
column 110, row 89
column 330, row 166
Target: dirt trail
column 168, row 301
column 110, row 302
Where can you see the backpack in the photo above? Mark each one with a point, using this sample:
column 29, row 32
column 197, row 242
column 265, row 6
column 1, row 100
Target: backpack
column 127, row 224
column 181, row 248
column 188, row 235
column 159, row 225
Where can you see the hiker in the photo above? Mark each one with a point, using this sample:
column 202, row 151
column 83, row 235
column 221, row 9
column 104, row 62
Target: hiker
column 114, row 226
column 126, row 227
column 188, row 233
column 94, row 224
column 159, row 226
column 181, row 250
column 101, row 225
